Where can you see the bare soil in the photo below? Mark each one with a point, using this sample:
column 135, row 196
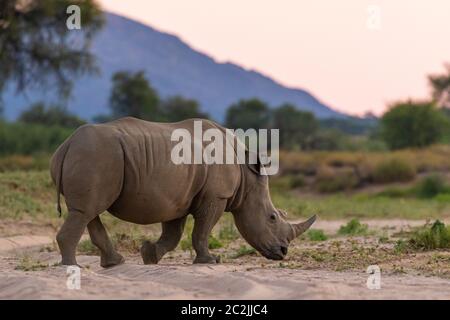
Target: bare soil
column 332, row 269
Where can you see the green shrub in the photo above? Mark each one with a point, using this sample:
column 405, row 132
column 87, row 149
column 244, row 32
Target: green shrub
column 186, row 244
column 393, row 170
column 228, row 232
column 26, row 139
column 430, row 238
column 401, row 246
column 316, row 235
column 431, row 186
column 442, row 197
column 214, row 243
column 412, row 124
column 87, row 247
column 353, row 228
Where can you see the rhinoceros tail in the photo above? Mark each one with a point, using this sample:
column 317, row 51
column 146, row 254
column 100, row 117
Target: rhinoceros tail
column 57, row 163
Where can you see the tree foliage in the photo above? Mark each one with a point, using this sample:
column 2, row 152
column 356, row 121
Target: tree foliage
column 23, row 138
column 297, row 128
column 132, row 95
column 247, row 114
column 412, row 124
column 37, row 49
column 440, row 85
column 178, row 108
column 50, row 116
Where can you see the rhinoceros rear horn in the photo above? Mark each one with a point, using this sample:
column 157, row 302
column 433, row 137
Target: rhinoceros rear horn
column 301, row 227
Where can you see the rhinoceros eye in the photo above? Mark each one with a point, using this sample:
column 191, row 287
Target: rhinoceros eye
column 273, row 216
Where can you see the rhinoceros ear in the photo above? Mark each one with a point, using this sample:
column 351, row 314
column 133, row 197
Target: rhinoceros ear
column 253, row 157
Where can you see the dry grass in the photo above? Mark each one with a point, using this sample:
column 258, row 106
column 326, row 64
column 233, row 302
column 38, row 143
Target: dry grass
column 337, row 171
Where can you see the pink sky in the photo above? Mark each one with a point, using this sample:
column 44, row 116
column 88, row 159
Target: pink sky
column 322, row 46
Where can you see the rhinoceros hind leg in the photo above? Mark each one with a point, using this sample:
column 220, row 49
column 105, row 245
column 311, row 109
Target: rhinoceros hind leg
column 69, row 235
column 170, row 237
column 109, row 256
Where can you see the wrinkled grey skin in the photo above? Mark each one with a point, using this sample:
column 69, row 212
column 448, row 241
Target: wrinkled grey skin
column 124, row 167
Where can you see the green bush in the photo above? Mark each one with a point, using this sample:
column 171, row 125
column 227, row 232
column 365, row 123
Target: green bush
column 431, row 186
column 87, row 247
column 430, row 238
column 214, row 243
column 316, row 235
column 393, row 170
column 353, row 228
column 412, row 124
column 228, row 232
column 41, row 114
column 26, row 139
column 428, row 188
column 442, row 197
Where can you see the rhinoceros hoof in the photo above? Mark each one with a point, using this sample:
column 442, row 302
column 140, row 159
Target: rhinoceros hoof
column 112, row 261
column 148, row 253
column 207, row 259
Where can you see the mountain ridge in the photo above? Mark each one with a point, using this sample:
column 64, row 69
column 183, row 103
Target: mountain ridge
column 173, row 68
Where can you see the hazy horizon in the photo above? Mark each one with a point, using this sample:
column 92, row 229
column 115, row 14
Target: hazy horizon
column 325, row 48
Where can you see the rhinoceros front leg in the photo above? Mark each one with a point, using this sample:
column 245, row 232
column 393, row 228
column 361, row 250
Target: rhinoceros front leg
column 109, row 257
column 205, row 220
column 171, row 234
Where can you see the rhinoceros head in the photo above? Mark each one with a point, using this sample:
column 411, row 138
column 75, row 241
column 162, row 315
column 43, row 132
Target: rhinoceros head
column 262, row 225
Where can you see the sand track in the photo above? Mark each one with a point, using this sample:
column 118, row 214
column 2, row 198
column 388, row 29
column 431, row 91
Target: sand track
column 133, row 280
column 178, row 278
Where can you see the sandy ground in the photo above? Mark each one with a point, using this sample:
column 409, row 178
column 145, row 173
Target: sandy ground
column 177, row 278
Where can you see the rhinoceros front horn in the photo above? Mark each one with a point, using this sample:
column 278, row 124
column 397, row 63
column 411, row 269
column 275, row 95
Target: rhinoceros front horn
column 301, row 227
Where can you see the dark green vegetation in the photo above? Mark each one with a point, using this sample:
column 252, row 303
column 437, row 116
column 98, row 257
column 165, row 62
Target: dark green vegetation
column 429, row 237
column 25, row 139
column 413, row 124
column 316, row 235
column 353, row 228
column 36, row 48
column 50, row 116
column 430, row 187
column 29, row 196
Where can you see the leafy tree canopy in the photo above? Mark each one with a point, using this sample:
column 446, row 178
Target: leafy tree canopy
column 132, row 95
column 412, row 124
column 38, row 50
column 248, row 114
column 440, row 85
column 178, row 108
column 296, row 127
column 54, row 115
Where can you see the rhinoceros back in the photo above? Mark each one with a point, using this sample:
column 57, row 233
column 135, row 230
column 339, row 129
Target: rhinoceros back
column 154, row 188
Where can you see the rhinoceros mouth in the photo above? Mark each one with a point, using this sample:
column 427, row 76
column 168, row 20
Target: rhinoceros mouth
column 276, row 253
